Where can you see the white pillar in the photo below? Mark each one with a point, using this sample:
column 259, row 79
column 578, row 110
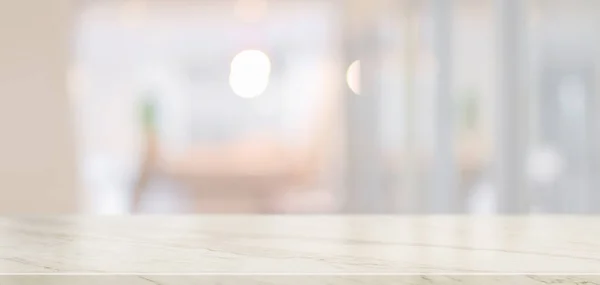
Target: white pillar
column 410, row 197
column 593, row 195
column 511, row 119
column 365, row 191
column 37, row 152
column 443, row 197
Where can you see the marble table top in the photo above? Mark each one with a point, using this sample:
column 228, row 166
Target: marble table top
column 300, row 250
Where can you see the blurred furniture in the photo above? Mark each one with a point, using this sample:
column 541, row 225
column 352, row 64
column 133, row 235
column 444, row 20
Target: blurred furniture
column 256, row 174
column 260, row 173
column 253, row 170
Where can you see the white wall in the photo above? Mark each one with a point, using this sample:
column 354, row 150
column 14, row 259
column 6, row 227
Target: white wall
column 37, row 156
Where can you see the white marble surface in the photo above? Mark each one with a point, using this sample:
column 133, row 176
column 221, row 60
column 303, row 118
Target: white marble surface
column 300, row 249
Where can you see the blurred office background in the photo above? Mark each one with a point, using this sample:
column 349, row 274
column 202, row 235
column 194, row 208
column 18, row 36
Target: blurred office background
column 299, row 106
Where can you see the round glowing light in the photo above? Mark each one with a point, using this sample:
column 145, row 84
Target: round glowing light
column 353, row 77
column 250, row 71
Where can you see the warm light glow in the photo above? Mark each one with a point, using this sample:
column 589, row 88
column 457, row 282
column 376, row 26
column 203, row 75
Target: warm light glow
column 133, row 13
column 251, row 10
column 353, row 77
column 250, row 71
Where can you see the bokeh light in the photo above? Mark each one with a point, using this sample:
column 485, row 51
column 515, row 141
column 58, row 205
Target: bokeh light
column 353, row 77
column 250, row 71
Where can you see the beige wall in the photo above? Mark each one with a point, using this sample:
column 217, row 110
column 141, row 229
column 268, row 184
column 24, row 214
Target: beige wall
column 37, row 157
